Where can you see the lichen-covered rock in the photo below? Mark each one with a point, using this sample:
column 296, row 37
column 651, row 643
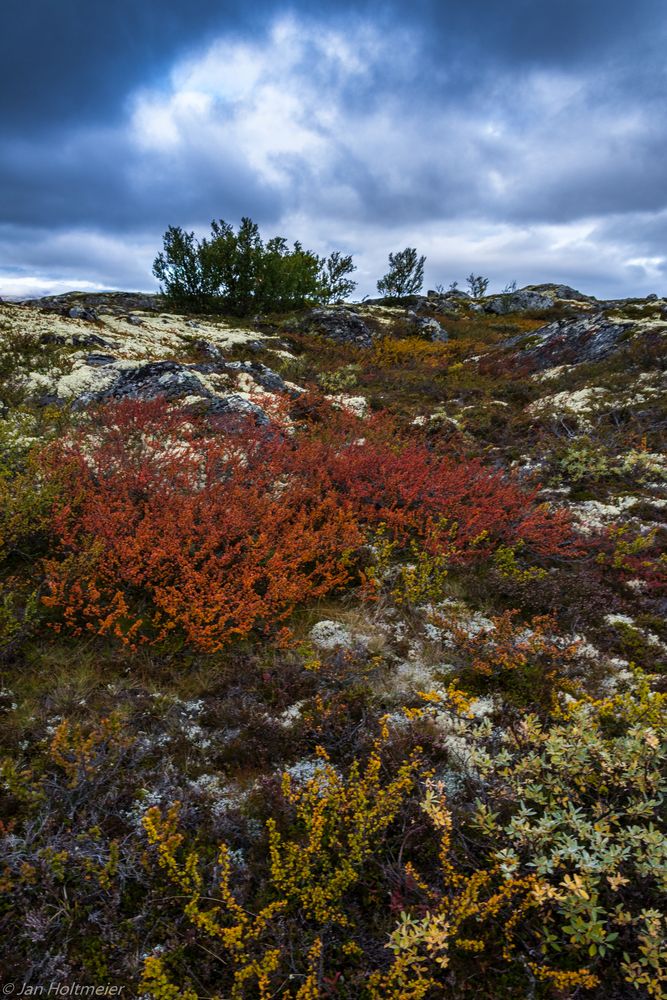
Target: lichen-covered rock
column 166, row 379
column 328, row 635
column 221, row 388
column 262, row 375
column 570, row 341
column 556, row 291
column 78, row 312
column 235, row 403
column 429, row 327
column 117, row 303
column 339, row 323
column 523, row 300
column 74, row 339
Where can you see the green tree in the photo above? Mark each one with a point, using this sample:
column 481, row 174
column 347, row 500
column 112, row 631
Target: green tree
column 237, row 272
column 405, row 275
column 477, row 285
column 336, row 285
column 184, row 272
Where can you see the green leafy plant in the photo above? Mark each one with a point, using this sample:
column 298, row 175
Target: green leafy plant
column 405, row 275
column 237, row 272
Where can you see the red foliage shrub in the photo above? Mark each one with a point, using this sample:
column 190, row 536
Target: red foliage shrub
column 213, row 529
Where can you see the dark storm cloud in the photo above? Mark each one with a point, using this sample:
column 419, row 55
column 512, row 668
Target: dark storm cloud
column 529, row 32
column 99, row 178
column 74, row 60
column 537, row 131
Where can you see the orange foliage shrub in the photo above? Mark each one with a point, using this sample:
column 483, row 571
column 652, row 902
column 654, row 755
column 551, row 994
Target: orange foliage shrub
column 527, row 662
column 212, row 528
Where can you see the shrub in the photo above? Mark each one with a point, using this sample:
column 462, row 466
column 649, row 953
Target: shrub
column 477, row 285
column 172, row 529
column 584, row 820
column 405, row 275
column 336, row 285
column 178, row 526
column 526, row 662
column 335, row 827
column 237, row 272
column 550, row 882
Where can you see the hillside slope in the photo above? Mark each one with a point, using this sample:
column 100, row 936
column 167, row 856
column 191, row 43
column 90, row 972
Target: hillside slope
column 373, row 597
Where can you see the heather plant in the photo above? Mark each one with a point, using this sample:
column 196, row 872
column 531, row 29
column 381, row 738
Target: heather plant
column 582, row 459
column 19, row 614
column 594, row 874
column 340, row 380
column 26, row 505
column 314, row 869
column 590, row 858
column 628, row 554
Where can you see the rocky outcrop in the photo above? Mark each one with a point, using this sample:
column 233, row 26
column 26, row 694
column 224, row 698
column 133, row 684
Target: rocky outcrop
column 570, row 341
column 88, row 305
column 339, row 323
column 80, row 312
column 556, row 291
column 223, row 387
column 524, row 300
column 428, row 326
column 74, row 339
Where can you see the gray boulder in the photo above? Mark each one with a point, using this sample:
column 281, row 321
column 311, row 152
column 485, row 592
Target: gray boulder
column 155, row 379
column 339, row 323
column 436, row 303
column 569, row 341
column 524, row 300
column 78, row 312
column 74, row 339
column 174, row 381
column 116, row 303
column 207, row 349
column 99, row 360
column 557, row 291
column 264, row 376
column 429, row 327
column 237, row 404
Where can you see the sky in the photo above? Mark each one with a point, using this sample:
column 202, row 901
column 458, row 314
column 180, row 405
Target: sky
column 523, row 140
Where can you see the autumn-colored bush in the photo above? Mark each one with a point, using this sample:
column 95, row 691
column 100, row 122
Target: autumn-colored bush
column 411, row 351
column 527, row 662
column 211, row 529
column 629, row 554
column 538, row 887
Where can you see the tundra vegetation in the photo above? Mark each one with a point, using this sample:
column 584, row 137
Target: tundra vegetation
column 332, row 639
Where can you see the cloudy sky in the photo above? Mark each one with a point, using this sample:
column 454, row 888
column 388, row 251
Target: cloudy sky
column 521, row 139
